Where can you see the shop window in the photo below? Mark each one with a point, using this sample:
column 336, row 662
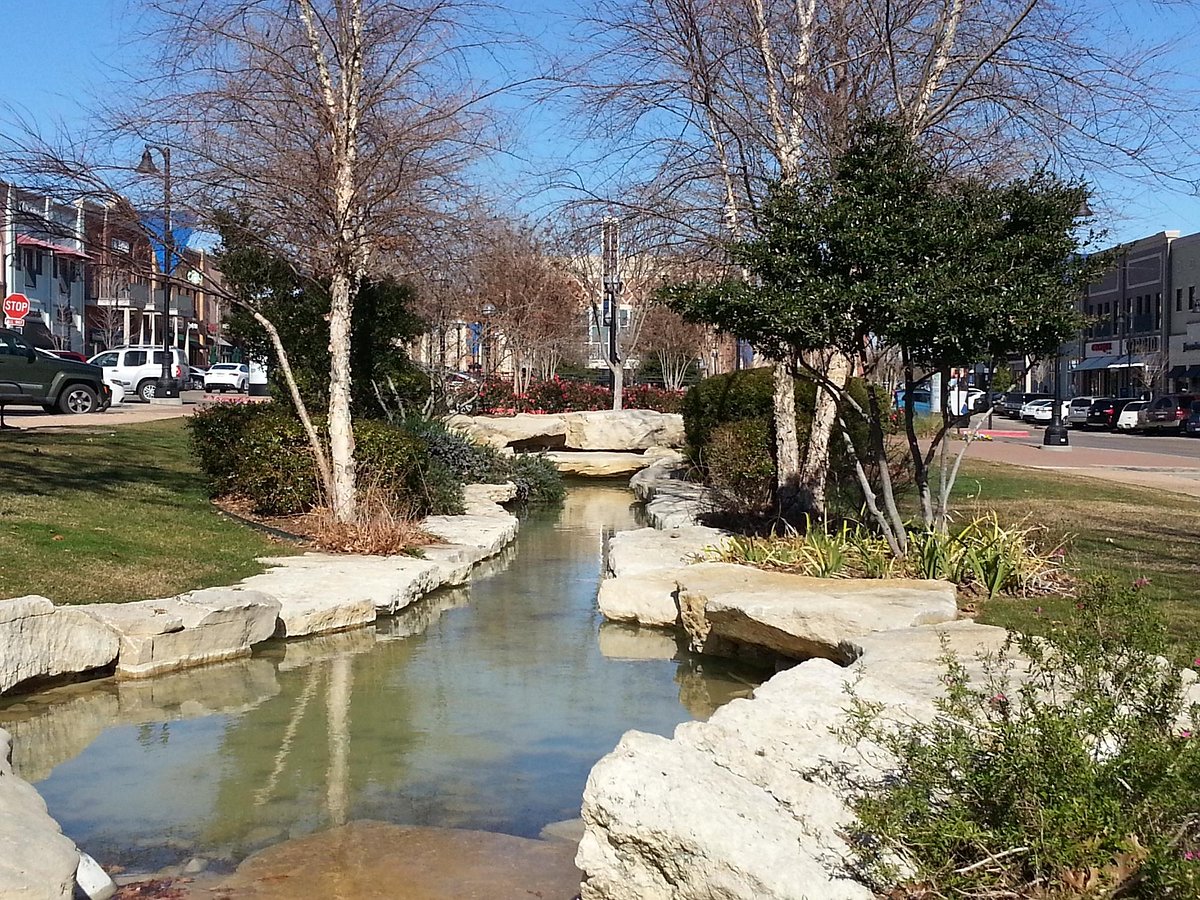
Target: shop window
column 1191, row 296
column 1178, row 299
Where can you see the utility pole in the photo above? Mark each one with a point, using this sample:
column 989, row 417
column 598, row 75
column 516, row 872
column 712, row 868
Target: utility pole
column 611, row 261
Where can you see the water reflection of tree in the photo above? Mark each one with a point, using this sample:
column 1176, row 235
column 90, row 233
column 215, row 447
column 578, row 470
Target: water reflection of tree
column 290, row 764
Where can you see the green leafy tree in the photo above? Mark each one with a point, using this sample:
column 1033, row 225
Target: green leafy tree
column 382, row 324
column 890, row 255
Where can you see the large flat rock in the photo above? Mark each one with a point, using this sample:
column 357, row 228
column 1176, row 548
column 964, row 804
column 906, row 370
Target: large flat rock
column 626, row 429
column 37, row 862
column 670, row 501
column 501, row 431
column 598, row 463
column 648, row 598
column 39, row 640
column 748, row 805
column 189, row 630
column 642, row 550
column 727, row 607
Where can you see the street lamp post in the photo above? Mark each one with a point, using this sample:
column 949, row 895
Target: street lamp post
column 1056, row 433
column 165, row 389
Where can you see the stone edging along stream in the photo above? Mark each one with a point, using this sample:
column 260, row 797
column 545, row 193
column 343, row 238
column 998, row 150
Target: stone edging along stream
column 309, row 594
column 750, row 804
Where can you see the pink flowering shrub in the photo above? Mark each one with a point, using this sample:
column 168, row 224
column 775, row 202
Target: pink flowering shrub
column 563, row 395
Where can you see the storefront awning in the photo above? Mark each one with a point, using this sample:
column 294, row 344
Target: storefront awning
column 24, row 240
column 1125, row 362
column 1095, row 363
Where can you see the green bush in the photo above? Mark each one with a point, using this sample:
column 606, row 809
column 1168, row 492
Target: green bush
column 1071, row 770
column 748, row 396
column 260, row 454
column 740, row 466
column 536, row 477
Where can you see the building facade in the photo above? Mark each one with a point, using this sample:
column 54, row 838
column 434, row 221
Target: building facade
column 44, row 258
column 1123, row 350
column 1183, row 340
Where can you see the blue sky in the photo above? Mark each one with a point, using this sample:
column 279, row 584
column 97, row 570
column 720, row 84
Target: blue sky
column 63, row 52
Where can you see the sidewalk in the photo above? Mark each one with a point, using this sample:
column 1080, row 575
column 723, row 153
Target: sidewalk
column 1156, row 470
column 27, row 418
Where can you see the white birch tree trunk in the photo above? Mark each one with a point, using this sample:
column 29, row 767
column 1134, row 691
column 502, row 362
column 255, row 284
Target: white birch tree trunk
column 787, row 442
column 814, row 471
column 344, row 502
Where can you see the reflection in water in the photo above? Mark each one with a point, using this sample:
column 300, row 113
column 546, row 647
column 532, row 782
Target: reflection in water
column 481, row 707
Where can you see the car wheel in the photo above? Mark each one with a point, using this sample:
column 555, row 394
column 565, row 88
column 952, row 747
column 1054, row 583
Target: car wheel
column 77, row 399
column 146, row 390
column 245, row 388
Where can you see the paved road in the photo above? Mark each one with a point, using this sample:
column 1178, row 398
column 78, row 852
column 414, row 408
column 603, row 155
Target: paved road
column 1166, row 445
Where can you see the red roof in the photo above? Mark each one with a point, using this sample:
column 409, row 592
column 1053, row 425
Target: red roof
column 25, row 240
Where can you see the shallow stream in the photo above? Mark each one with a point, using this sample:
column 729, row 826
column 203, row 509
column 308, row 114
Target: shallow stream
column 483, row 707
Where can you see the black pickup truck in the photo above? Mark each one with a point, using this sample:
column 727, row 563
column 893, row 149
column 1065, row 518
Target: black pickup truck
column 30, row 378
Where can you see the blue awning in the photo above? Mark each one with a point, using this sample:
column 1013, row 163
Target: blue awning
column 1096, row 363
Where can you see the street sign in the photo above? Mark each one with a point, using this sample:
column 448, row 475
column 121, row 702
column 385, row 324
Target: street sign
column 16, row 307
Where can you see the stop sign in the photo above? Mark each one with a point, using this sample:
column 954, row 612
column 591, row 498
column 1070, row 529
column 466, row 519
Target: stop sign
column 16, row 306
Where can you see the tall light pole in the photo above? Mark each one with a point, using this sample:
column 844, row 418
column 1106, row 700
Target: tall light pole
column 166, row 388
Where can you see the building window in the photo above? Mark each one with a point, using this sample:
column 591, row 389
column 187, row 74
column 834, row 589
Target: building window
column 1191, row 296
column 120, row 246
column 1178, row 299
column 1158, row 311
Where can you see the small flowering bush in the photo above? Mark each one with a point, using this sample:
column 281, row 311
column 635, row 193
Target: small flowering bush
column 1071, row 769
column 562, row 395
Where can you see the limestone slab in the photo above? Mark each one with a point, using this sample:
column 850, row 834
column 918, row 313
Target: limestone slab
column 40, row 640
column 800, row 617
column 37, row 862
column 627, row 429
column 619, row 641
column 642, row 550
column 749, row 804
column 500, row 431
column 597, row 463
column 649, row 598
column 192, row 629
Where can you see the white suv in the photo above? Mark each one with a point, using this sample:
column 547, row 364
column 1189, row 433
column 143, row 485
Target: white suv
column 138, row 368
column 227, row 376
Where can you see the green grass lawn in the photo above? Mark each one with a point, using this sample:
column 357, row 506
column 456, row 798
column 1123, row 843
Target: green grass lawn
column 1128, row 532
column 91, row 516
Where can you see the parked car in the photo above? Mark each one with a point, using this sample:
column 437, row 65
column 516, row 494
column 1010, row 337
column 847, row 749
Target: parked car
column 1011, row 403
column 1104, row 411
column 1043, row 411
column 921, row 397
column 1192, row 425
column 138, row 368
column 227, row 377
column 1028, row 407
column 1169, row 412
column 1078, row 409
column 196, row 378
column 30, row 378
column 1132, row 417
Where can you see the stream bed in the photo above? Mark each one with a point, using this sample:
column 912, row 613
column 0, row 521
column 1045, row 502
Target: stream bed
column 482, row 707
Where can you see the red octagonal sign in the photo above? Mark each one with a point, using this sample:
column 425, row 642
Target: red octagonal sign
column 16, row 306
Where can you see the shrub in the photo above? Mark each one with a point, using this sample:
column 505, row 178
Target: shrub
column 1071, row 770
column 741, row 470
column 260, row 454
column 566, row 395
column 536, row 477
column 748, row 395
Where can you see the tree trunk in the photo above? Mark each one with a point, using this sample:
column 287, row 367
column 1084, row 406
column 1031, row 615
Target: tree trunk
column 344, row 502
column 618, row 372
column 814, row 472
column 787, row 439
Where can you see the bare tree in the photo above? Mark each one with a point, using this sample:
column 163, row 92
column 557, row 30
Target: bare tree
column 676, row 343
column 1152, row 373
column 343, row 123
column 711, row 99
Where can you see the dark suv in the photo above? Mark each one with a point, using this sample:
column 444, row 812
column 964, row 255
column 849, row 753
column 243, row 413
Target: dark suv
column 29, row 377
column 1169, row 412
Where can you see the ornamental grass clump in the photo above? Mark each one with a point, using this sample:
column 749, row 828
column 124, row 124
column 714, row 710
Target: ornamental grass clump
column 1071, row 768
column 981, row 555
